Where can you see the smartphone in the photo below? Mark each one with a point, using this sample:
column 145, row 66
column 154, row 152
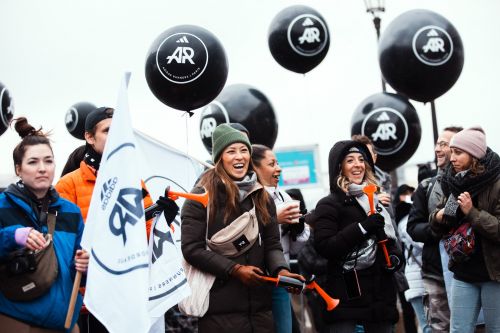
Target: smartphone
column 352, row 284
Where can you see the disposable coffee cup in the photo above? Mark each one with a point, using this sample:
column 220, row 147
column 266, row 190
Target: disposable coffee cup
column 296, row 204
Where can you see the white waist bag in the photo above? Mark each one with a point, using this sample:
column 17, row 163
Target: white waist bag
column 233, row 240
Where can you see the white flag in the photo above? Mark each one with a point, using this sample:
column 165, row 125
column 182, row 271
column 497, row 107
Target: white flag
column 115, row 233
column 167, row 281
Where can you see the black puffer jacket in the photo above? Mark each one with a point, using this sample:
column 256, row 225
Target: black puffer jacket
column 232, row 305
column 425, row 199
column 336, row 234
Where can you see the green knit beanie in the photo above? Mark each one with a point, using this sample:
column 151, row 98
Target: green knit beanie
column 223, row 136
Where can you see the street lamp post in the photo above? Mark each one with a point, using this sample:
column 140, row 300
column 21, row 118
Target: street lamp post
column 376, row 8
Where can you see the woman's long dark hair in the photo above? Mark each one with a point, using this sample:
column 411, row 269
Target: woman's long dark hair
column 217, row 177
column 30, row 137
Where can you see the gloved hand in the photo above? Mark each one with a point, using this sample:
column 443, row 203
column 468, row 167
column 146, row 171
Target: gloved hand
column 248, row 275
column 373, row 223
column 170, row 208
column 397, row 261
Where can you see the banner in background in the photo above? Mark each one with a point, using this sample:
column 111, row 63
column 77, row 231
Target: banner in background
column 299, row 166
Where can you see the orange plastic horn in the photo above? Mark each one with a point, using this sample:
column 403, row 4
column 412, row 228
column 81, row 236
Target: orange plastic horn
column 370, row 190
column 201, row 198
column 331, row 303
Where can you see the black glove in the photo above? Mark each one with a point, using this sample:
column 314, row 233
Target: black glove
column 170, row 208
column 373, row 223
column 397, row 261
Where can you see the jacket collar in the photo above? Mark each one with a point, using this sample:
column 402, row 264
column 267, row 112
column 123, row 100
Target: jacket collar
column 88, row 173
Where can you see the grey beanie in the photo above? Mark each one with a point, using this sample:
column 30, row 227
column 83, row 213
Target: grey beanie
column 471, row 140
column 223, row 136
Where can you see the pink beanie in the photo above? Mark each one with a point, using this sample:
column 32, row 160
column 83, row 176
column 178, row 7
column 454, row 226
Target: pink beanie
column 471, row 140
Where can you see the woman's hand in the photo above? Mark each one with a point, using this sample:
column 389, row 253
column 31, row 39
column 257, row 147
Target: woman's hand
column 384, row 198
column 465, row 202
column 35, row 240
column 287, row 273
column 81, row 261
column 439, row 216
column 248, row 275
column 287, row 213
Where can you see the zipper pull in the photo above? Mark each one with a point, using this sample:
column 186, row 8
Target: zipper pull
column 260, row 240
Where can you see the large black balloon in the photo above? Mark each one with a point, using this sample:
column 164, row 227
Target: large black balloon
column 298, row 38
column 244, row 104
column 186, row 67
column 7, row 108
column 392, row 123
column 421, row 55
column 75, row 118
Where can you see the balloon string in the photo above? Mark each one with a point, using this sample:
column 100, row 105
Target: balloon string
column 187, row 116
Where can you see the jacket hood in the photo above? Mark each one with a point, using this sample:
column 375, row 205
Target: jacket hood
column 336, row 156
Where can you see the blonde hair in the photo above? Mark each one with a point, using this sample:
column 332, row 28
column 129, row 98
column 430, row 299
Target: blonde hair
column 343, row 182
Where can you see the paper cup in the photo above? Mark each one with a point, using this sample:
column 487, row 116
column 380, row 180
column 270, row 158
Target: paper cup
column 292, row 203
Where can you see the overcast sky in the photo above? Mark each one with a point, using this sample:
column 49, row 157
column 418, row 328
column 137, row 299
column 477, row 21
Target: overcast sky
column 58, row 52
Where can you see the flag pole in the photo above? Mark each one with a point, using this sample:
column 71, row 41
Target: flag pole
column 72, row 301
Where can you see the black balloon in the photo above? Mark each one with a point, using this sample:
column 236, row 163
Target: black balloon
column 298, row 38
column 186, row 67
column 392, row 123
column 244, row 104
column 421, row 55
column 7, row 108
column 75, row 118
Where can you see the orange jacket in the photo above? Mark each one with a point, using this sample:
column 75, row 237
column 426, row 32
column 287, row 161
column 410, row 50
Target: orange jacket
column 77, row 187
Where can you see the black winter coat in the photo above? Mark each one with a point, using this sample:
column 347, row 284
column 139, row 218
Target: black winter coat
column 336, row 234
column 233, row 307
column 419, row 229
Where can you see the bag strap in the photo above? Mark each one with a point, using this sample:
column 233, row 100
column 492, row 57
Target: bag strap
column 412, row 255
column 51, row 222
column 50, row 217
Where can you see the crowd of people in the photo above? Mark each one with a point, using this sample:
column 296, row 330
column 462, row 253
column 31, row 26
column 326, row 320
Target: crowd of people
column 371, row 252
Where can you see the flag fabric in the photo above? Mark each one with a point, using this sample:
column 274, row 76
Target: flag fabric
column 115, row 237
column 166, row 166
column 167, row 281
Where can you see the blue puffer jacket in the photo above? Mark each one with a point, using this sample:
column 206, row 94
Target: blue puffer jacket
column 16, row 211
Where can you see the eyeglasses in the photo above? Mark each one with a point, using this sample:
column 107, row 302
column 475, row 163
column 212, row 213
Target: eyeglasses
column 442, row 144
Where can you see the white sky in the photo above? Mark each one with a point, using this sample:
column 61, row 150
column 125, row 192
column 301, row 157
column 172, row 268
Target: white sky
column 58, row 52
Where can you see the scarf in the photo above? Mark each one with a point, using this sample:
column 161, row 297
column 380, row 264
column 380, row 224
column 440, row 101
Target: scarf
column 92, row 158
column 246, row 184
column 455, row 184
column 364, row 256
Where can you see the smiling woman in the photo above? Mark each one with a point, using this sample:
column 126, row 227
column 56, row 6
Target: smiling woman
column 346, row 233
column 294, row 232
column 240, row 300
